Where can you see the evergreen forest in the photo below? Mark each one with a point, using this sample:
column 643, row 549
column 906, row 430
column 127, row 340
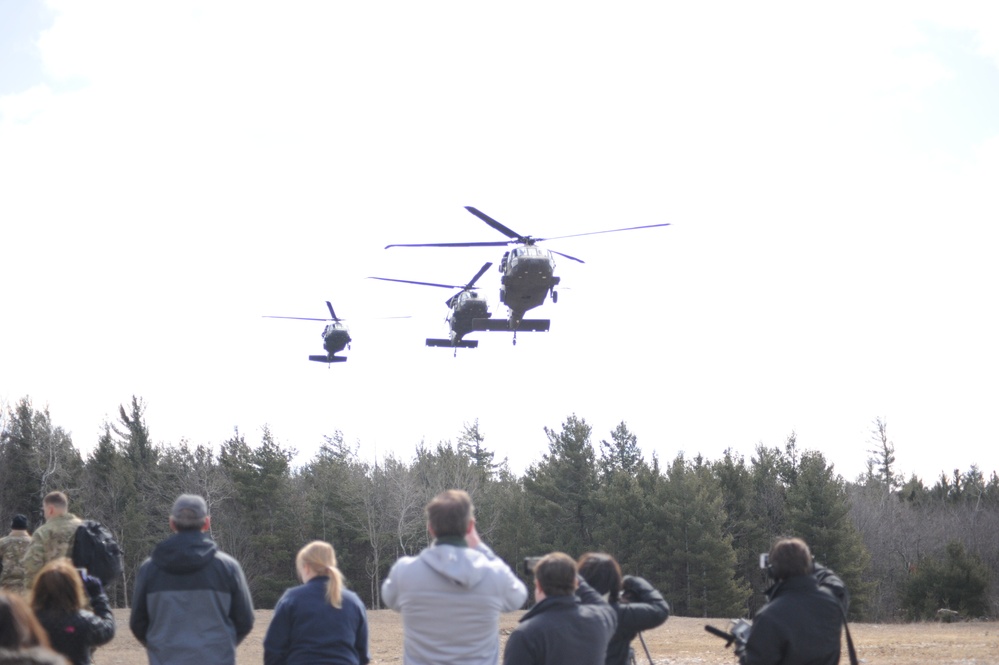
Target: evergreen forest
column 693, row 527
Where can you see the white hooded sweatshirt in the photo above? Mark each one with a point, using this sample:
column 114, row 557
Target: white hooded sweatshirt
column 451, row 598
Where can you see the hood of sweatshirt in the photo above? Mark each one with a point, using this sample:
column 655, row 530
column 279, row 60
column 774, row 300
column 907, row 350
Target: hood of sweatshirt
column 462, row 566
column 185, row 552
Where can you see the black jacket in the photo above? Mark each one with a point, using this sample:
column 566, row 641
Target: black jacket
column 644, row 608
column 563, row 630
column 802, row 623
column 75, row 635
column 191, row 602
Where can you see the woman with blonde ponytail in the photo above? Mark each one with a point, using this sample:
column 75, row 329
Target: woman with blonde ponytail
column 319, row 621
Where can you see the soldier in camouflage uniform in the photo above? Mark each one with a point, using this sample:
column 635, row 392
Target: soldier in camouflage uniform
column 53, row 539
column 12, row 549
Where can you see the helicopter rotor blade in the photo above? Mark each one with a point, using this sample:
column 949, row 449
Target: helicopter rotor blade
column 332, row 313
column 296, row 318
column 497, row 243
column 567, row 256
column 486, row 266
column 509, row 233
column 409, row 281
column 593, row 233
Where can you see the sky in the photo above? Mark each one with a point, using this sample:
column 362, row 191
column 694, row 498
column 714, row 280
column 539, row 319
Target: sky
column 172, row 172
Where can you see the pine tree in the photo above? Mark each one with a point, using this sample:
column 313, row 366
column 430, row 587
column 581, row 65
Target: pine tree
column 696, row 552
column 819, row 513
column 562, row 488
column 957, row 582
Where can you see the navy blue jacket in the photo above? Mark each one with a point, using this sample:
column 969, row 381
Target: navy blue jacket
column 306, row 629
column 191, row 602
column 563, row 630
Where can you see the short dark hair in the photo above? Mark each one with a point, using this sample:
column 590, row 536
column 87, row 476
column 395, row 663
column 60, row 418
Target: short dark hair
column 602, row 572
column 57, row 499
column 450, row 513
column 790, row 557
column 556, row 574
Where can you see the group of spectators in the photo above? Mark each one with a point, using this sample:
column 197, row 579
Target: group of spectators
column 191, row 603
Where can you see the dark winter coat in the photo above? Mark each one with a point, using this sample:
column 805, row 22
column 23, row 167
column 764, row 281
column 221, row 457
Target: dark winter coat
column 191, row 602
column 645, row 608
column 563, row 630
column 306, row 629
column 75, row 635
column 802, row 623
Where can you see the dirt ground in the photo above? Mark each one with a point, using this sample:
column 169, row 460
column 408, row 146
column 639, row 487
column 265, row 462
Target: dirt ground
column 680, row 641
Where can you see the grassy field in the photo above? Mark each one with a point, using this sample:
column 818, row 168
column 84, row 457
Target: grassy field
column 680, row 641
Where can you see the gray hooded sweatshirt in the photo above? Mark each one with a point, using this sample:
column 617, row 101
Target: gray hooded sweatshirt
column 451, row 598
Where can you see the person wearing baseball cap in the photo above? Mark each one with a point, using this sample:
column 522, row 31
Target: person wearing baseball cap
column 191, row 602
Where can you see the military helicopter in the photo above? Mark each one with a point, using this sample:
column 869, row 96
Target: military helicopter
column 528, row 272
column 468, row 311
column 335, row 336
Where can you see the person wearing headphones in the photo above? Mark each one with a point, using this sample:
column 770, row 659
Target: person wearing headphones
column 803, row 618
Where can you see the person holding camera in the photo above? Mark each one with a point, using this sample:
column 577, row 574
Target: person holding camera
column 639, row 606
column 571, row 624
column 58, row 596
column 452, row 593
column 803, row 618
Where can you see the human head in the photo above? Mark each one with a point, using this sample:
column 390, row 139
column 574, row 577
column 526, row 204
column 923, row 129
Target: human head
column 320, row 558
column 19, row 629
column 555, row 574
column 602, row 572
column 55, row 503
column 790, row 557
column 189, row 513
column 450, row 514
column 58, row 588
column 19, row 523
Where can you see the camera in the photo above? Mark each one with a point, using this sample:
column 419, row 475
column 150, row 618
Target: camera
column 530, row 562
column 765, row 560
column 737, row 635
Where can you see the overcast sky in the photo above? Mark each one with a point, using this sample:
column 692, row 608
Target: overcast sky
column 170, row 172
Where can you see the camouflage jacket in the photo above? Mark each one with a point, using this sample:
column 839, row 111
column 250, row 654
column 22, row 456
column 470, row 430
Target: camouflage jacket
column 50, row 541
column 12, row 549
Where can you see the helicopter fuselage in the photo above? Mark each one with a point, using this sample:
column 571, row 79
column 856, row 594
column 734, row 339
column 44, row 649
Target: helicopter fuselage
column 465, row 308
column 528, row 277
column 335, row 338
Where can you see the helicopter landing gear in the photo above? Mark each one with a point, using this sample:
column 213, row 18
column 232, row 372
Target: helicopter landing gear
column 554, row 296
column 515, row 338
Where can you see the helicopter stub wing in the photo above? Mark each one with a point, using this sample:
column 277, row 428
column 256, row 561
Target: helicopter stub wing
column 328, row 359
column 463, row 344
column 504, row 325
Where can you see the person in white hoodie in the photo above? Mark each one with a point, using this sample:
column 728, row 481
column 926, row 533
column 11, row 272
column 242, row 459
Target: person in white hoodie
column 451, row 595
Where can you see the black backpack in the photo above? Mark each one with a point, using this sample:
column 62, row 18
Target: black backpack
column 95, row 549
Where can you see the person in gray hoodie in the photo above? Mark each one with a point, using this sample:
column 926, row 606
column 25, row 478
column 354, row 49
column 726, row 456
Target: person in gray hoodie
column 191, row 602
column 452, row 594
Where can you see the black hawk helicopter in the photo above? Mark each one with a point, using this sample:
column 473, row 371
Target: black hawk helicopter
column 335, row 336
column 469, row 312
column 528, row 272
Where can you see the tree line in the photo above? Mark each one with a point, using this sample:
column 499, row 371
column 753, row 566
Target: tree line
column 693, row 527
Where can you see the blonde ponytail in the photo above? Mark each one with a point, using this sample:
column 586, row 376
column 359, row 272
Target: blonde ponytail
column 320, row 556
